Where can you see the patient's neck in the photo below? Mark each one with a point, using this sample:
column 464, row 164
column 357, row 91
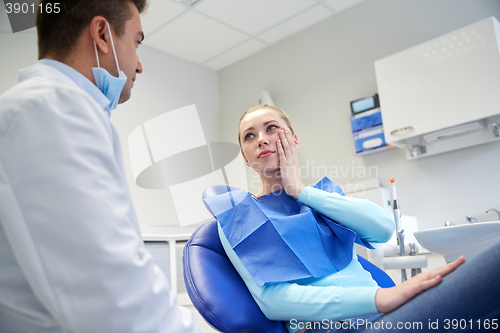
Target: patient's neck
column 270, row 183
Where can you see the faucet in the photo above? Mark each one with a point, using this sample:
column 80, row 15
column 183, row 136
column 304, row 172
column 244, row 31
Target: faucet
column 495, row 130
column 470, row 219
column 494, row 210
column 414, row 252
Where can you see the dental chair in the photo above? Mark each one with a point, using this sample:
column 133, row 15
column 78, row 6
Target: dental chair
column 218, row 292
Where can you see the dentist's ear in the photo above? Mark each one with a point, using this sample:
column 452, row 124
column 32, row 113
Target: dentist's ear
column 100, row 34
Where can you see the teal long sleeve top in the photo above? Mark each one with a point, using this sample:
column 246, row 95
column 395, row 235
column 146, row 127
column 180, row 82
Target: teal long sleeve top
column 347, row 293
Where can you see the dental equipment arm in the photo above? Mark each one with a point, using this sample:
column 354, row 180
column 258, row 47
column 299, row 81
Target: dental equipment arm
column 399, row 229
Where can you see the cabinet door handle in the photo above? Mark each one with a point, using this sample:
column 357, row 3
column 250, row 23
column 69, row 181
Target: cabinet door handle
column 403, row 130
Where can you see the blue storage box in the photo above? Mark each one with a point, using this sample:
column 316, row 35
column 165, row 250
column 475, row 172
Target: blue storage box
column 369, row 139
column 366, row 119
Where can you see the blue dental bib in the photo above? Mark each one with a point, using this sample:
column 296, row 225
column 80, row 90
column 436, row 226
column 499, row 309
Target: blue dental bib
column 280, row 239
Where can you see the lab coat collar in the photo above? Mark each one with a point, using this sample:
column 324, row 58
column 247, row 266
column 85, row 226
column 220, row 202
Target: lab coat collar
column 76, row 77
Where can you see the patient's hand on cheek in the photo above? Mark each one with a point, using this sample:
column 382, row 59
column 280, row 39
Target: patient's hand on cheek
column 389, row 299
column 289, row 163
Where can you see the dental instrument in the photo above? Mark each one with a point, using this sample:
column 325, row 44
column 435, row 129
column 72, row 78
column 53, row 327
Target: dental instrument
column 399, row 229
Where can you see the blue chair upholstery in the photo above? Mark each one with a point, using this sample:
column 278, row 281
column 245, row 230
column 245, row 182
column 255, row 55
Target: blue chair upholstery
column 217, row 290
column 381, row 277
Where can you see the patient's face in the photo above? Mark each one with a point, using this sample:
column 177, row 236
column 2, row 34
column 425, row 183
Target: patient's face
column 258, row 136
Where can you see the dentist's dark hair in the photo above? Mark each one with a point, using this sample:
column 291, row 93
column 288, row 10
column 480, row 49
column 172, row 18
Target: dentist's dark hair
column 59, row 32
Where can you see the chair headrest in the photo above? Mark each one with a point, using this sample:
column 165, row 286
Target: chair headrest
column 216, row 190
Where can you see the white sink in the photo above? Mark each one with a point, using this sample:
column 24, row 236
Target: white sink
column 464, row 239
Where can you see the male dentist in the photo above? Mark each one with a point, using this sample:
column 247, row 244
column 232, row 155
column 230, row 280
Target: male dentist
column 71, row 254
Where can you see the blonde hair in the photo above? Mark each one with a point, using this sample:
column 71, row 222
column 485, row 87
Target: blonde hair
column 260, row 107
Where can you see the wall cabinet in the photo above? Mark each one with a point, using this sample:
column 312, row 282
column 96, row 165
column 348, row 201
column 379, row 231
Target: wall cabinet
column 443, row 94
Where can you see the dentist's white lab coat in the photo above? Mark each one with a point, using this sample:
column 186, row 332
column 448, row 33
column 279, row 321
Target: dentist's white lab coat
column 71, row 254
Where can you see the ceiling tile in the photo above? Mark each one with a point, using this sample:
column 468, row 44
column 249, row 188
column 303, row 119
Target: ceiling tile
column 194, row 37
column 296, row 24
column 235, row 54
column 340, row 5
column 252, row 16
column 159, row 12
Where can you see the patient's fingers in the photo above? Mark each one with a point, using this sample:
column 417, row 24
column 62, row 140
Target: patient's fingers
column 279, row 147
column 389, row 299
column 429, row 279
column 289, row 164
column 284, row 142
column 448, row 268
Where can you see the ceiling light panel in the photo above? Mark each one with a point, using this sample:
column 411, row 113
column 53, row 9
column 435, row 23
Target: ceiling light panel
column 195, row 37
column 296, row 24
column 188, row 3
column 340, row 5
column 235, row 54
column 160, row 12
column 252, row 16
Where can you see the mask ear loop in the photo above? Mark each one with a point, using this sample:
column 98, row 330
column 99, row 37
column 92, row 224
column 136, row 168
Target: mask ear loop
column 113, row 45
column 114, row 53
column 96, row 55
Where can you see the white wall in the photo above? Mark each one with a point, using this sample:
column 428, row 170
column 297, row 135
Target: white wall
column 314, row 75
column 166, row 84
column 17, row 51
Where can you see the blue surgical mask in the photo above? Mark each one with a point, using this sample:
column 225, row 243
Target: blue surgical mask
column 108, row 84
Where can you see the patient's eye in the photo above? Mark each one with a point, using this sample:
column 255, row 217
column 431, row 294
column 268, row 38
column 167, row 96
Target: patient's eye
column 248, row 136
column 271, row 128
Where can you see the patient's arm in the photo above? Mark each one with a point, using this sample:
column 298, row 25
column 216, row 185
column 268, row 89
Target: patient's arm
column 286, row 301
column 370, row 221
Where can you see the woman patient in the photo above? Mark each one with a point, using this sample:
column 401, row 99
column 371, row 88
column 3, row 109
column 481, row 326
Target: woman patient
column 293, row 246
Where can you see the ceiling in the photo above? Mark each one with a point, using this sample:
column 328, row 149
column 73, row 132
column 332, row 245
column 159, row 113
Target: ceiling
column 218, row 33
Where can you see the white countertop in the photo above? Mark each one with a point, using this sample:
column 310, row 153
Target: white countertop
column 170, row 233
